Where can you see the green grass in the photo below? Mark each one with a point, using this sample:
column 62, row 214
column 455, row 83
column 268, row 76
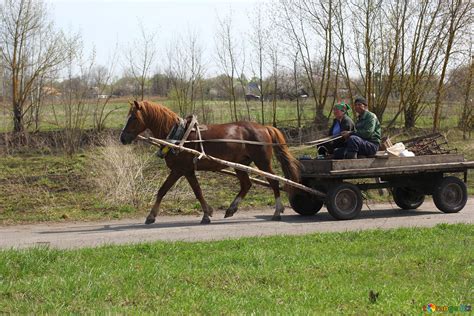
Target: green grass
column 52, row 117
column 330, row 273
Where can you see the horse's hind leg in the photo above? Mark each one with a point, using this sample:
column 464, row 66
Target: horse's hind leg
column 193, row 182
column 245, row 186
column 169, row 182
column 279, row 208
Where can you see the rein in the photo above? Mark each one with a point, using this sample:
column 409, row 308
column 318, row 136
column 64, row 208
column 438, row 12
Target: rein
column 223, row 140
column 179, row 135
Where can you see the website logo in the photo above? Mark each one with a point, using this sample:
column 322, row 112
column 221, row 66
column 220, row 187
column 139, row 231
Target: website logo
column 432, row 308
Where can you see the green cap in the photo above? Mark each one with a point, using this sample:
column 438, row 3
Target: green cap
column 342, row 106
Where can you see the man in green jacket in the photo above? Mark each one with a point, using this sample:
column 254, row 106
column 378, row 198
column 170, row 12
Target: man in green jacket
column 365, row 140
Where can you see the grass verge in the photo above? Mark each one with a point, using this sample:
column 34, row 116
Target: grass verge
column 330, row 273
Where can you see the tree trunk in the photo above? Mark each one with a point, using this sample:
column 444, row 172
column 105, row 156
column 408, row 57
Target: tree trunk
column 17, row 118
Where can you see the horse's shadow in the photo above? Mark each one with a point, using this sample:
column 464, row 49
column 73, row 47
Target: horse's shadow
column 288, row 217
column 161, row 225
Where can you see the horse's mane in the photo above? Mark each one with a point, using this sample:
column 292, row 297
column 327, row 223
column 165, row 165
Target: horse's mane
column 159, row 118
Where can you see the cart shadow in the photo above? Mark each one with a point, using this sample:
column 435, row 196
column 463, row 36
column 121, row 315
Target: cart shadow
column 324, row 216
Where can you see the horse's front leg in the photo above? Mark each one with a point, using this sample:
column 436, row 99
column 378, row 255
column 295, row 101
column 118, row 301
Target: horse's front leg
column 245, row 186
column 193, row 182
column 169, row 182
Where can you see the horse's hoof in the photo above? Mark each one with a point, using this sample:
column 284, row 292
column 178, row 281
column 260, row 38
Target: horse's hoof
column 228, row 213
column 276, row 218
column 149, row 221
column 205, row 221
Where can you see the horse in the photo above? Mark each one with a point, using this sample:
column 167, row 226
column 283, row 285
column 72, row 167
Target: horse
column 160, row 121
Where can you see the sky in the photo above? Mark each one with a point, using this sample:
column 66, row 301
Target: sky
column 104, row 24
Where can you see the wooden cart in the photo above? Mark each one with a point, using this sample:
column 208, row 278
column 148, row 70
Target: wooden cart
column 410, row 179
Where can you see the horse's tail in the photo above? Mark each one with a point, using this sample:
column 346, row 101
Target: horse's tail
column 289, row 164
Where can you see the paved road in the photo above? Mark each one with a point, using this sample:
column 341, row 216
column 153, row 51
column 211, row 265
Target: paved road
column 244, row 223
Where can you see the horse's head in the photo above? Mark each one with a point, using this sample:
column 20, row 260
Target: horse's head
column 135, row 123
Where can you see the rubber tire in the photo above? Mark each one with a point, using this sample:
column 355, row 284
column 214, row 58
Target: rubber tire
column 450, row 195
column 403, row 197
column 305, row 203
column 344, row 201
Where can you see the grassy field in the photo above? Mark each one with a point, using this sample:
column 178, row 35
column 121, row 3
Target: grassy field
column 52, row 116
column 333, row 273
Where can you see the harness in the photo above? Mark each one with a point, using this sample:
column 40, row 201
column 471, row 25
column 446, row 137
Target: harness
column 179, row 134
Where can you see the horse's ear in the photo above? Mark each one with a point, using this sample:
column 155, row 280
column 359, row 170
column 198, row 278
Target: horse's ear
column 137, row 105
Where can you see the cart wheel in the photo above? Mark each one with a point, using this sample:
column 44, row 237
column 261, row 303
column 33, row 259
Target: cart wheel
column 450, row 195
column 407, row 198
column 344, row 201
column 305, row 203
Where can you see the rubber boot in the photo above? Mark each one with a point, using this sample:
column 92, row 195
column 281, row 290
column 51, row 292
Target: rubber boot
column 351, row 155
column 339, row 153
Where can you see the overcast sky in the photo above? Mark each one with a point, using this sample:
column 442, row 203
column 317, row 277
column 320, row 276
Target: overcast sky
column 104, row 23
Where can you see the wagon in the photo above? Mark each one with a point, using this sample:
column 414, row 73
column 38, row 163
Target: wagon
column 409, row 179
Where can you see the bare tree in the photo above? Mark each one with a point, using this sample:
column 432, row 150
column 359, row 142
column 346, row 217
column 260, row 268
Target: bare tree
column 72, row 112
column 30, row 48
column 378, row 44
column 420, row 58
column 459, row 16
column 320, row 17
column 101, row 83
column 364, row 26
column 391, row 42
column 309, row 26
column 296, row 81
column 185, row 69
column 140, row 56
column 340, row 47
column 227, row 58
column 466, row 121
column 259, row 39
column 274, row 57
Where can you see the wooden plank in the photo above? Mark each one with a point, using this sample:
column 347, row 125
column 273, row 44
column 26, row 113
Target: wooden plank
column 157, row 142
column 327, row 166
column 441, row 167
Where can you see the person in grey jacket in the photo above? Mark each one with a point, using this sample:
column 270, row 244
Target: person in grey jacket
column 342, row 122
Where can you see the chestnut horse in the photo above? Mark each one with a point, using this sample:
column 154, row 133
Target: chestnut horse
column 160, row 120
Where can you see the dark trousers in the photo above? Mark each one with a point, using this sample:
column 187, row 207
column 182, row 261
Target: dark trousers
column 329, row 148
column 356, row 146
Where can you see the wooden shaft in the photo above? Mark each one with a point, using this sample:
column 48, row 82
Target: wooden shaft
column 156, row 141
column 254, row 180
column 324, row 140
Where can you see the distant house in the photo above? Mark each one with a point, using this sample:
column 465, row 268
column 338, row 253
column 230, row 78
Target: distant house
column 252, row 92
column 252, row 97
column 51, row 91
